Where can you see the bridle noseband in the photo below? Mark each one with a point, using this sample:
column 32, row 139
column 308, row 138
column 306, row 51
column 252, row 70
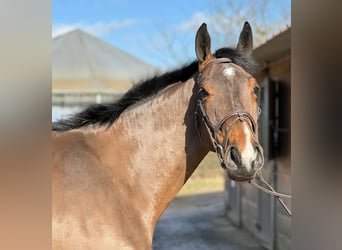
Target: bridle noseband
column 238, row 115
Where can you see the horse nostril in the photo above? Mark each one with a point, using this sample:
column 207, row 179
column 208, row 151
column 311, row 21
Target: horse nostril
column 235, row 156
column 259, row 160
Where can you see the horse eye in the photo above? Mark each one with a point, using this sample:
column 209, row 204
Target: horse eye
column 256, row 90
column 202, row 93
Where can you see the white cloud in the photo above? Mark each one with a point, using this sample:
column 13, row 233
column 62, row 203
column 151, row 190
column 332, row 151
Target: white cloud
column 98, row 29
column 60, row 29
column 216, row 22
column 193, row 23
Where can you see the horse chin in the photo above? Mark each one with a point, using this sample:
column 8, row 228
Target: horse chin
column 240, row 178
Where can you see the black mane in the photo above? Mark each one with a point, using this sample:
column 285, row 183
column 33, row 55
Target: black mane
column 108, row 113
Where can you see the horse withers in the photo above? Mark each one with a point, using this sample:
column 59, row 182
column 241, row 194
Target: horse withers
column 116, row 167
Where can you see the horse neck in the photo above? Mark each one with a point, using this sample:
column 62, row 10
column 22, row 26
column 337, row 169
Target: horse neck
column 165, row 144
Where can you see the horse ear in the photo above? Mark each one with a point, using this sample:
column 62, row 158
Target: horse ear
column 245, row 43
column 202, row 45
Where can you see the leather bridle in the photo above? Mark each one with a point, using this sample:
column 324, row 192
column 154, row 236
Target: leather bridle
column 236, row 114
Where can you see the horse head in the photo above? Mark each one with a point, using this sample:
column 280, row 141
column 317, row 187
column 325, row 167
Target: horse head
column 227, row 103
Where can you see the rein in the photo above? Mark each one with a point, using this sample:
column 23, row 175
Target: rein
column 270, row 190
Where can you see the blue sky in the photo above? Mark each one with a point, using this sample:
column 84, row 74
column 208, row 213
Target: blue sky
column 159, row 32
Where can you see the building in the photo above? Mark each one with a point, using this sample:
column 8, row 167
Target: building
column 87, row 70
column 248, row 207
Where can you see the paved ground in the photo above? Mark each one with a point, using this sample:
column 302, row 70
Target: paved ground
column 198, row 222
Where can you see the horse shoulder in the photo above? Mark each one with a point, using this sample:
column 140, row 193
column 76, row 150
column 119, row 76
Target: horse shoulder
column 90, row 196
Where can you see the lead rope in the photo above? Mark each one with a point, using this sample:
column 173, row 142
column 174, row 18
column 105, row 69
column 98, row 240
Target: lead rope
column 270, row 190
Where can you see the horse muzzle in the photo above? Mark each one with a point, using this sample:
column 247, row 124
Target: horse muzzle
column 243, row 166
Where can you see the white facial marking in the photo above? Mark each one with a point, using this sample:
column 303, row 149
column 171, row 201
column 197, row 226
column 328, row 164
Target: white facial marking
column 249, row 153
column 230, row 72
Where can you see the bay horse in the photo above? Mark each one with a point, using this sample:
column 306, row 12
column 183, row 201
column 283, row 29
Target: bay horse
column 116, row 167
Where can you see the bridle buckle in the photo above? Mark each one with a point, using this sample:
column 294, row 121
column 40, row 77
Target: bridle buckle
column 241, row 117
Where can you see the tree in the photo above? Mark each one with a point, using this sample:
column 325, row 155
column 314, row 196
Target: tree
column 225, row 19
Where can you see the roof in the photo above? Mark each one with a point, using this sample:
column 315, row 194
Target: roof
column 275, row 48
column 82, row 61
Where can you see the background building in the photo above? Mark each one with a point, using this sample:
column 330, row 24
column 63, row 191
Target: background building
column 87, row 70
